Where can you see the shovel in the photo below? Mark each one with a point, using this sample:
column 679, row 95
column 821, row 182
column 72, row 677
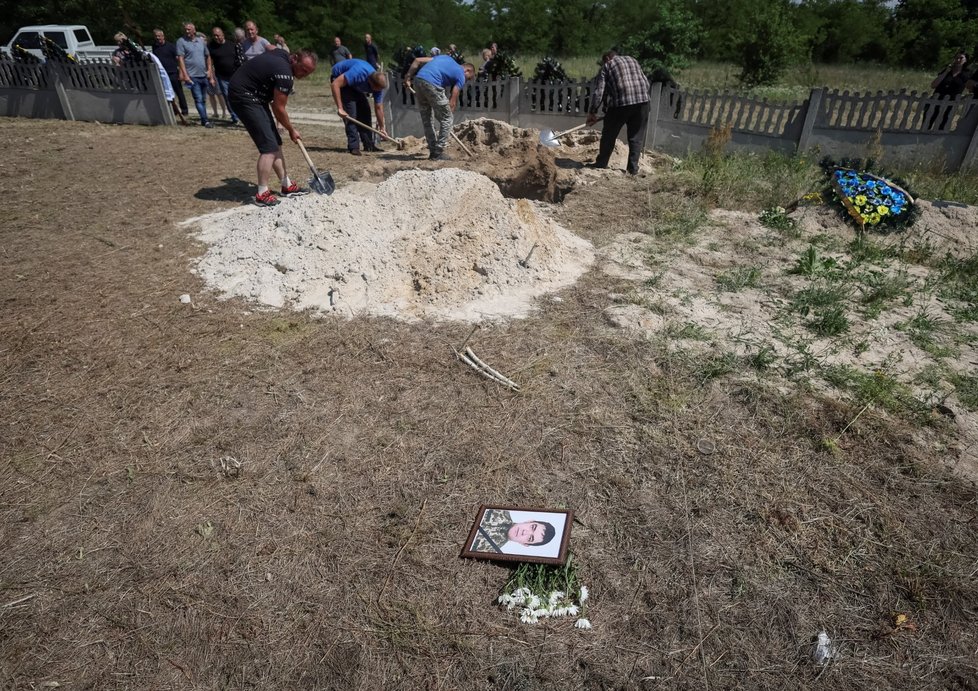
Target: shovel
column 549, row 137
column 321, row 182
column 396, row 142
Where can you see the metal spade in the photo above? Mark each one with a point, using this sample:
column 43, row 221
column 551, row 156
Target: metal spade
column 549, row 137
column 321, row 181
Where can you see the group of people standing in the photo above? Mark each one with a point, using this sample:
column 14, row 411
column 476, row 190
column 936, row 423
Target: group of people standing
column 206, row 67
column 255, row 77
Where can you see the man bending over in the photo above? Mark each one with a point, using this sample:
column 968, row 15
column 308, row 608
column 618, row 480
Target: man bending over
column 266, row 80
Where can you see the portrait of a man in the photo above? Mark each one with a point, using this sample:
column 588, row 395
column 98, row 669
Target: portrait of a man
column 518, row 534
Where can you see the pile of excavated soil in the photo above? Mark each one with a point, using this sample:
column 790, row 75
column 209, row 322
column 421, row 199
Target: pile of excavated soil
column 441, row 244
column 511, row 157
column 484, row 135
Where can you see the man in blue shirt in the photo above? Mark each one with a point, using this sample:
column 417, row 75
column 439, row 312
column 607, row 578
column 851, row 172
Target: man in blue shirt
column 350, row 81
column 438, row 77
column 196, row 70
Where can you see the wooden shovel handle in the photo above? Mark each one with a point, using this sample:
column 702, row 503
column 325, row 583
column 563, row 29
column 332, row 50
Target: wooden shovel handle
column 557, row 135
column 376, row 131
column 305, row 155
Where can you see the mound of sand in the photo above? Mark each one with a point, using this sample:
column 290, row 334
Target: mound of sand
column 945, row 227
column 440, row 244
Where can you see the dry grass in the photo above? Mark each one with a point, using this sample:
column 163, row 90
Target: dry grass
column 132, row 561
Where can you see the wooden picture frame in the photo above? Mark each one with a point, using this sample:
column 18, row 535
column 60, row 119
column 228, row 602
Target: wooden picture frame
column 519, row 533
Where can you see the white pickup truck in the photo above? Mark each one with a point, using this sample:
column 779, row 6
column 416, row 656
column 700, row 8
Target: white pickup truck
column 74, row 38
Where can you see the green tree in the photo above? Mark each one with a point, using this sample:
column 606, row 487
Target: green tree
column 925, row 33
column 768, row 45
column 844, row 30
column 668, row 39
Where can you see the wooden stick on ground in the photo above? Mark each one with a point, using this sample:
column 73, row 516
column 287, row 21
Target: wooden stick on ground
column 464, row 147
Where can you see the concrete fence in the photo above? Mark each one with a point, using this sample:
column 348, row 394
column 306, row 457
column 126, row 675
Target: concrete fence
column 906, row 127
column 95, row 90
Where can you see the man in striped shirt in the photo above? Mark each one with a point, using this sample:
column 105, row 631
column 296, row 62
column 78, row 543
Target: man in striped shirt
column 623, row 89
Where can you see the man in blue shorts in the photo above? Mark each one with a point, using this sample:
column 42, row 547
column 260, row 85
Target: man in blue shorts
column 262, row 81
column 350, row 81
column 436, row 78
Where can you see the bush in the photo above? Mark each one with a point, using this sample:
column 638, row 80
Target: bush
column 768, row 46
column 549, row 70
column 502, row 66
column 669, row 42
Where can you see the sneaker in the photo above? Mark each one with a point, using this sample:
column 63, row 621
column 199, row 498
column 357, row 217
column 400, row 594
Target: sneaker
column 356, row 152
column 294, row 190
column 266, row 198
column 208, row 124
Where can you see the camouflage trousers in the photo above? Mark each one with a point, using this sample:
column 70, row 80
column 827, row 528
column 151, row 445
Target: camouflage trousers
column 433, row 105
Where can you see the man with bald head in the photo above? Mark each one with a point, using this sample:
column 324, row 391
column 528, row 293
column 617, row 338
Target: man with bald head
column 258, row 89
column 223, row 58
column 254, row 45
column 371, row 54
column 196, row 70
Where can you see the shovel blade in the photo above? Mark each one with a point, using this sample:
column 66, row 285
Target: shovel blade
column 547, row 138
column 322, row 183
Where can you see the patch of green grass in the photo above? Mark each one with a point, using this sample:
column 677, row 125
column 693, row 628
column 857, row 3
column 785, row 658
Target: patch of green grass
column 642, row 299
column 813, row 265
column 737, row 279
column 677, row 220
column 875, row 388
column 923, row 330
column 816, row 298
column 934, row 182
column 716, row 365
column 829, row 243
column 762, row 358
column 863, row 250
column 966, row 388
column 688, row 331
column 777, row 218
column 746, row 181
column 829, row 322
column 959, row 286
column 880, row 288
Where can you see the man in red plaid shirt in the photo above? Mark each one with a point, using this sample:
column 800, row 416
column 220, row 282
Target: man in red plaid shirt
column 624, row 91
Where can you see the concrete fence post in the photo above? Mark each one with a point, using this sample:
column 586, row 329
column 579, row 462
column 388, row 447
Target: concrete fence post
column 655, row 99
column 811, row 113
column 514, row 101
column 970, row 160
column 166, row 110
column 59, row 88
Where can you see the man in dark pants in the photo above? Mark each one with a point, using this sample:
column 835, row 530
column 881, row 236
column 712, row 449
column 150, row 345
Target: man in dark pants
column 370, row 51
column 262, row 81
column 350, row 81
column 166, row 52
column 624, row 90
column 223, row 57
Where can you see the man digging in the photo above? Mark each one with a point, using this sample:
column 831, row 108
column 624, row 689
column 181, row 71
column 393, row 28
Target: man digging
column 351, row 81
column 624, row 90
column 435, row 78
column 266, row 80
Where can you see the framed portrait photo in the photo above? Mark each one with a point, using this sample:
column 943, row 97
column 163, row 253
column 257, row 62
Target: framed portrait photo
column 516, row 533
